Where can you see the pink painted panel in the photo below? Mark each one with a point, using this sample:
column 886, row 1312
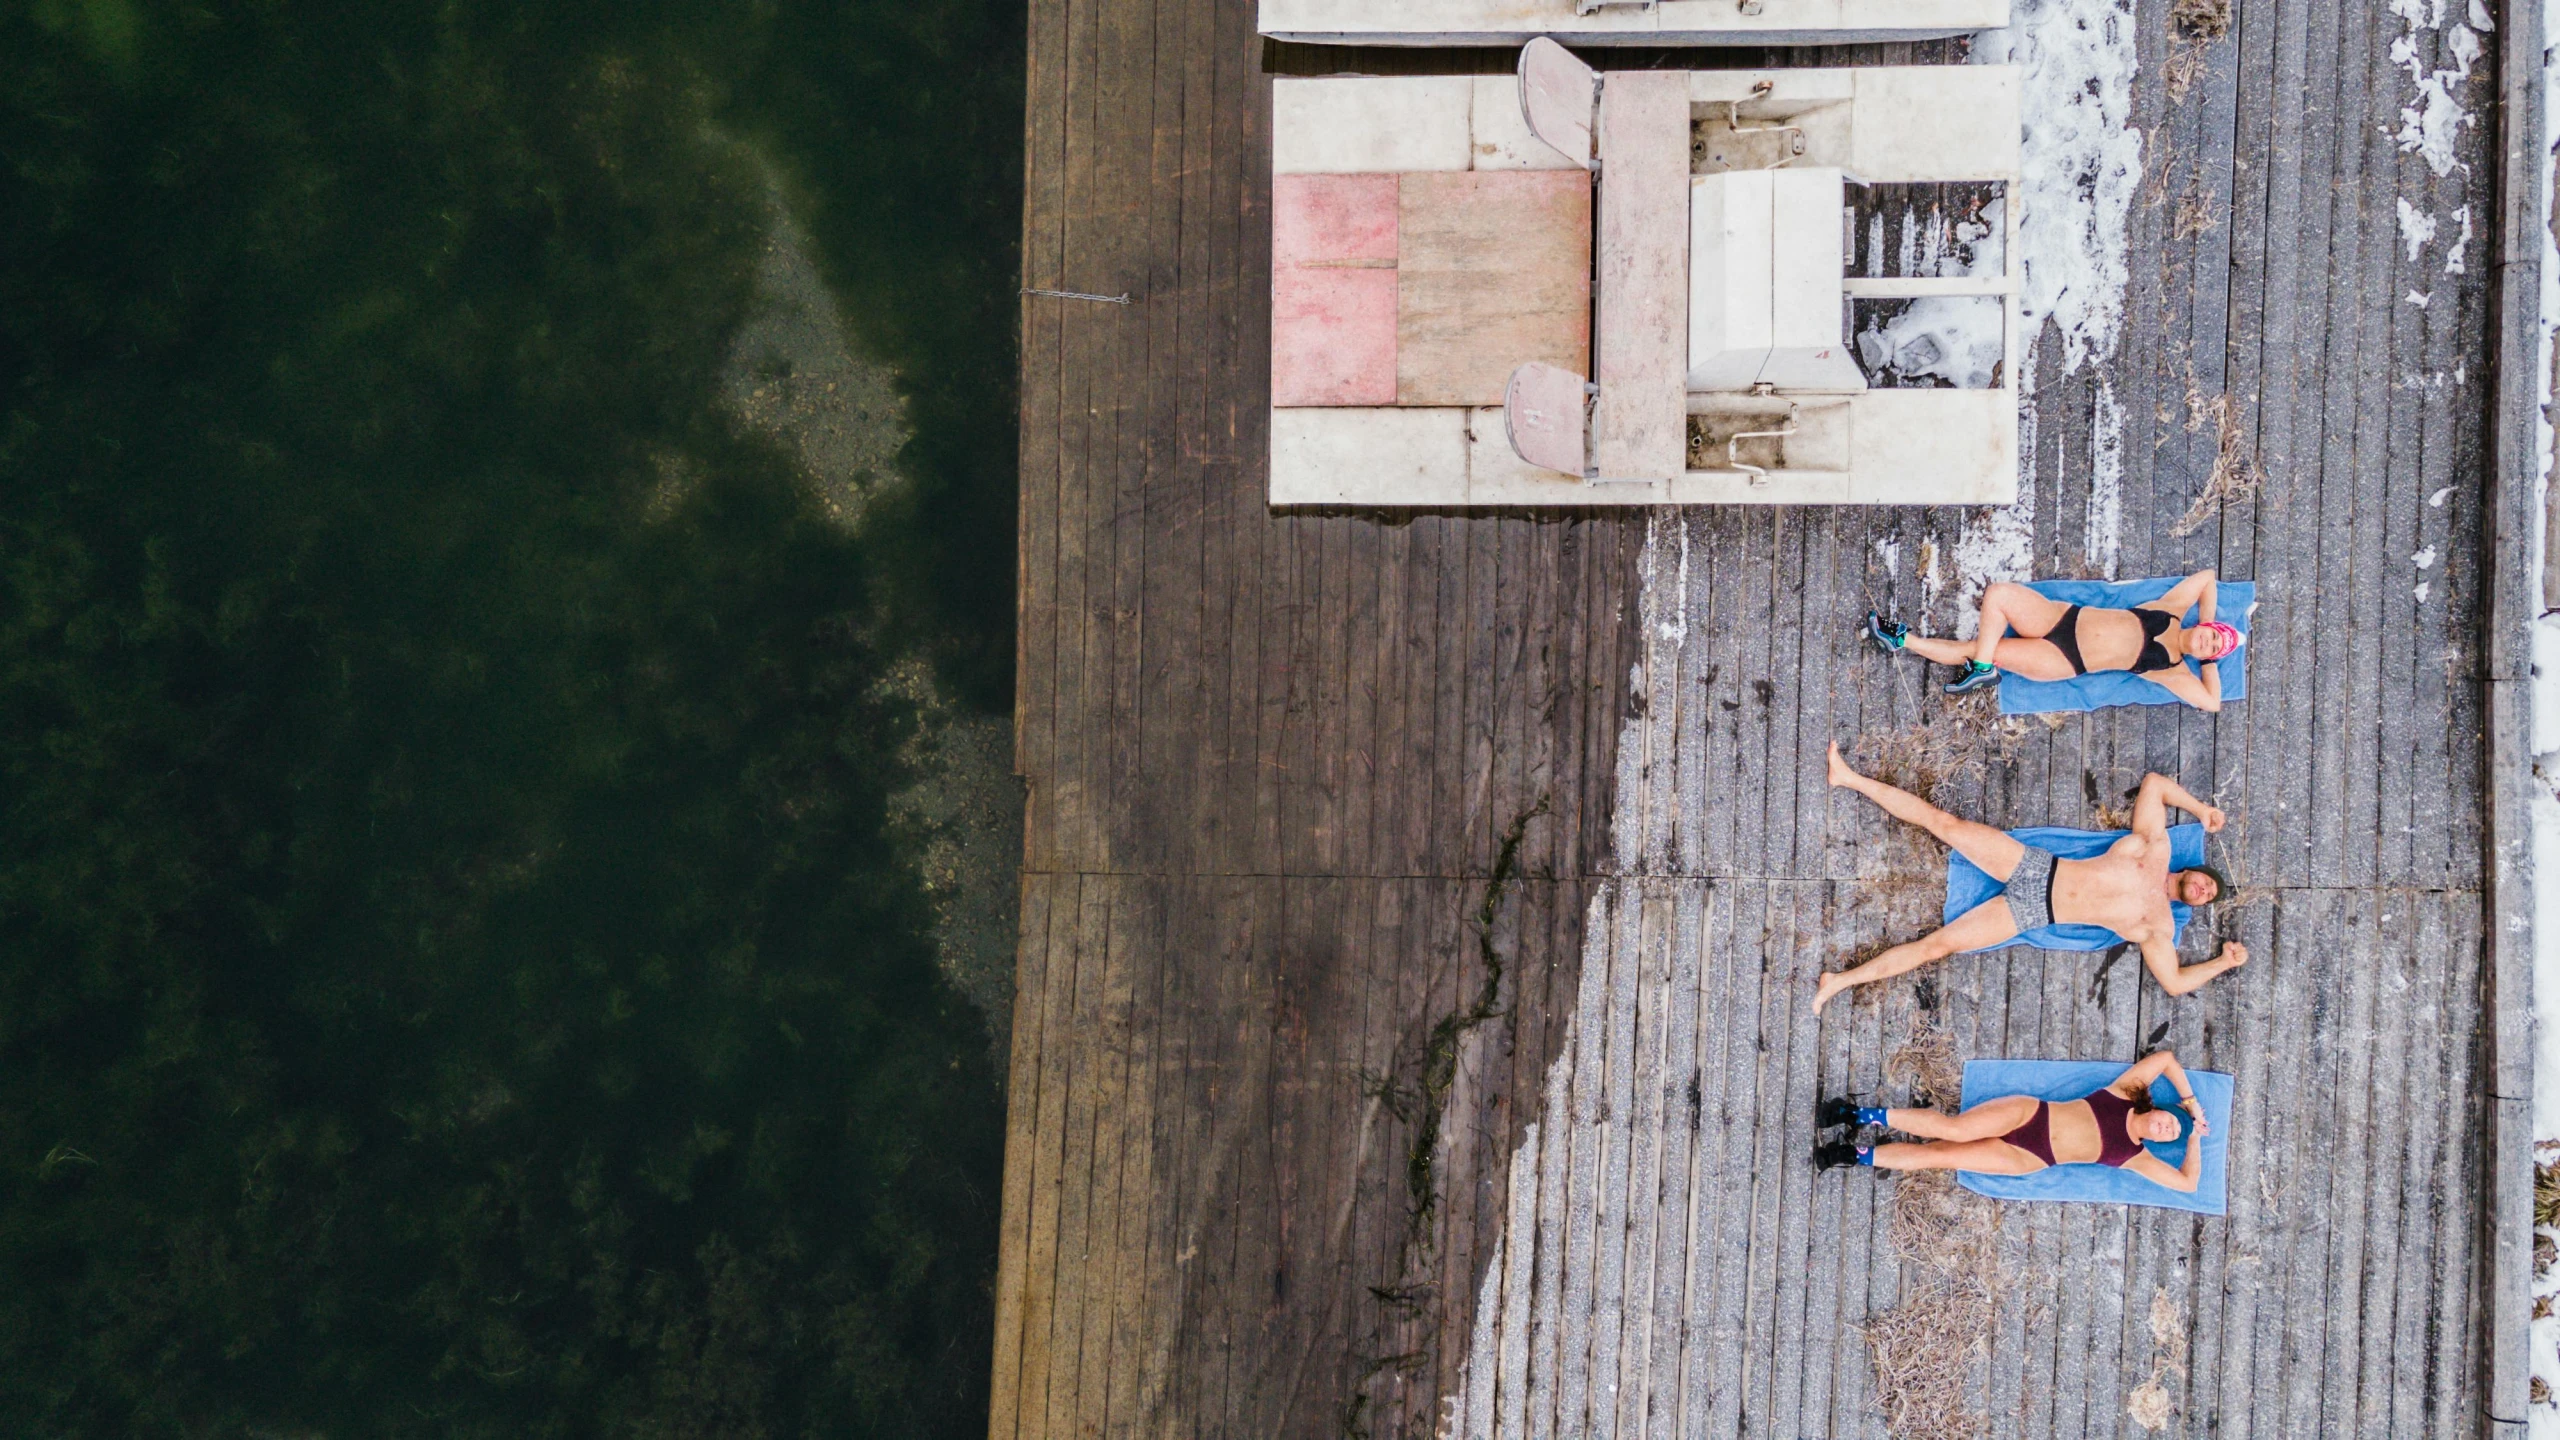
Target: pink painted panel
column 1333, row 289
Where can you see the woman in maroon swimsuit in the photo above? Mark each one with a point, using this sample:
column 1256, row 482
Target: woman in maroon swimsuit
column 2019, row 1134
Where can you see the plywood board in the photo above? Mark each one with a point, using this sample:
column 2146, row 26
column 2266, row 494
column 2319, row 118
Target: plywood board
column 1493, row 269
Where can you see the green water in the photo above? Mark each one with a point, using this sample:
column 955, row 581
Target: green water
column 466, row 961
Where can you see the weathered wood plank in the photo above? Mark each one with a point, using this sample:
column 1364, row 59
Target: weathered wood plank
column 1078, row 739
column 1723, row 1363
column 1090, row 1210
column 1044, row 174
column 1478, row 700
column 1174, row 668
column 2279, row 231
column 1417, row 828
column 1654, row 1380
column 1453, row 601
column 1367, row 578
column 2363, row 1396
column 1175, row 1349
column 1023, row 1142
column 1131, row 1028
column 1231, row 470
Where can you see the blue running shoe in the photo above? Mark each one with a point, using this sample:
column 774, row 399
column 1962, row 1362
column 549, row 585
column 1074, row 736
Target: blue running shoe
column 1889, row 635
column 1975, row 676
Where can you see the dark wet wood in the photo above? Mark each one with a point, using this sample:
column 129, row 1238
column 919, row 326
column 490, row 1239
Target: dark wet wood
column 1273, row 761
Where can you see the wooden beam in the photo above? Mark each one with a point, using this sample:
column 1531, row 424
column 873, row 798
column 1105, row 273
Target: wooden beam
column 1640, row 422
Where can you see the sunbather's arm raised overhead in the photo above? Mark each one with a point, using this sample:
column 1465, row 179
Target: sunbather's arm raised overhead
column 2135, row 1084
column 2184, row 1178
column 2151, row 807
column 2204, row 693
column 2196, row 590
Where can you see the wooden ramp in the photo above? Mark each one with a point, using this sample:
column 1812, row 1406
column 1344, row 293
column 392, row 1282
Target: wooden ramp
column 1267, row 1118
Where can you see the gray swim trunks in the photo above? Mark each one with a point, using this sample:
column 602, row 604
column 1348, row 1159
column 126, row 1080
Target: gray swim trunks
column 2030, row 890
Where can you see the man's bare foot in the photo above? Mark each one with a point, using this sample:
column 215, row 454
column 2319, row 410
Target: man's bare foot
column 1841, row 774
column 1831, row 984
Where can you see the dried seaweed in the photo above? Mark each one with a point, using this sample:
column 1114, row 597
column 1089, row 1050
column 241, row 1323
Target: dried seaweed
column 2150, row 1405
column 1923, row 1351
column 2235, row 476
column 1927, row 1064
column 2200, row 19
column 1920, row 758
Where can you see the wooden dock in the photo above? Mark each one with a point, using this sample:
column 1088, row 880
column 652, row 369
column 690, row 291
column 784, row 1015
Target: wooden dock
column 1324, row 888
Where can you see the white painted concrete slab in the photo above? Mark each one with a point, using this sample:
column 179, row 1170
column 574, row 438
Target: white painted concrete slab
column 1409, row 455
column 1935, row 122
column 1350, row 125
column 1934, row 447
column 1499, row 137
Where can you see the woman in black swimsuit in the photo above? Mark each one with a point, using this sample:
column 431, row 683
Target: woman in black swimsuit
column 2026, row 634
column 2019, row 1134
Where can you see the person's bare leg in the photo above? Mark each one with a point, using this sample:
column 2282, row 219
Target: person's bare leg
column 2009, row 607
column 1991, row 849
column 1987, row 1121
column 1988, row 923
column 2036, row 659
column 1983, row 1157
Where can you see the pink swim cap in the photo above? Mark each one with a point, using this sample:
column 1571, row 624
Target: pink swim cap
column 2230, row 637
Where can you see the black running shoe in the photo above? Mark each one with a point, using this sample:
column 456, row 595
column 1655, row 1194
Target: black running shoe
column 1835, row 1111
column 1834, row 1155
column 1889, row 635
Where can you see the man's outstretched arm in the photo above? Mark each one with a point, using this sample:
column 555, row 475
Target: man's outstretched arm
column 2160, row 957
column 2159, row 792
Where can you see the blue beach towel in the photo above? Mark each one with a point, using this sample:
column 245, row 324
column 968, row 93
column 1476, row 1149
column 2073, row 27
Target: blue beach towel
column 2232, row 600
column 1969, row 884
column 2102, row 1184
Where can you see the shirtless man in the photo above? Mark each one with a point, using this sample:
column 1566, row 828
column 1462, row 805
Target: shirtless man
column 2126, row 890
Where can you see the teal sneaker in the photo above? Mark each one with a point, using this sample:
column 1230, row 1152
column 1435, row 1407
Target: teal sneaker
column 1975, row 676
column 1889, row 635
